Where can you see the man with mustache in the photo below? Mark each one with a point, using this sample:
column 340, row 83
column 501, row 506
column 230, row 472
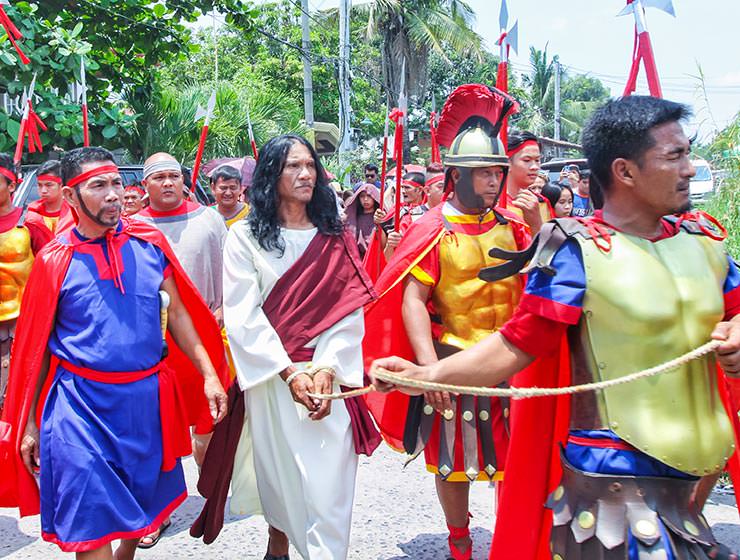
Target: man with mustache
column 115, row 398
column 641, row 282
column 196, row 233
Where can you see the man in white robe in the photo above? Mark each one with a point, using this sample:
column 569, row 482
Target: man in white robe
column 304, row 460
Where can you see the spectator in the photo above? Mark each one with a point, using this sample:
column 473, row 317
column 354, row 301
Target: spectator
column 539, row 182
column 360, row 208
column 560, row 197
column 582, row 205
column 372, row 176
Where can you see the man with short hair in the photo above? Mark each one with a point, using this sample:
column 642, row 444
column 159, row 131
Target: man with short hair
column 50, row 205
column 20, row 240
column 435, row 184
column 115, row 414
column 196, row 233
column 226, row 185
column 133, row 199
column 372, row 175
column 582, row 205
column 641, row 282
column 294, row 291
column 525, row 155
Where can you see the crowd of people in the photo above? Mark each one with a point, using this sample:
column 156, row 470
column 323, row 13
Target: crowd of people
column 138, row 327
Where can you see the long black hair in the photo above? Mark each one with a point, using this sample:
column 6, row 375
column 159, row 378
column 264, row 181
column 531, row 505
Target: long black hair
column 264, row 198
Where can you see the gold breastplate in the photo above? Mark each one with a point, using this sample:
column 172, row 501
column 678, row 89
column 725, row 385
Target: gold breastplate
column 16, row 259
column 645, row 304
column 470, row 308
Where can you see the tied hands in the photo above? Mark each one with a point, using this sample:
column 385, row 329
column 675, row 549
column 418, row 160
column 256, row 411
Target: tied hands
column 302, row 383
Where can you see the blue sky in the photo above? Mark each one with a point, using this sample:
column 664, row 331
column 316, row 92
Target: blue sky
column 589, row 38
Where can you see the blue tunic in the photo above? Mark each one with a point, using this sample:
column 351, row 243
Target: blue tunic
column 101, row 443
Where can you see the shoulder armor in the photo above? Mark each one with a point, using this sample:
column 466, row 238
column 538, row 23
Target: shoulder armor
column 698, row 223
column 543, row 248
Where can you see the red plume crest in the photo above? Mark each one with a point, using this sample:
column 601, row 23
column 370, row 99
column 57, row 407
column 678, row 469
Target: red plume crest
column 470, row 104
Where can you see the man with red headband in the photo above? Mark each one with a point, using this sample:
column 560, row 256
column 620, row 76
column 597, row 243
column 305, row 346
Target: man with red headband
column 133, row 199
column 106, row 380
column 435, row 184
column 525, row 156
column 432, row 304
column 20, row 240
column 50, row 206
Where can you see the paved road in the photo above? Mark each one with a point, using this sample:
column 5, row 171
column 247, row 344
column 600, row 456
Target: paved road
column 396, row 517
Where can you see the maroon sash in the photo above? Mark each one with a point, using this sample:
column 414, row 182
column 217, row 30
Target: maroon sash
column 323, row 286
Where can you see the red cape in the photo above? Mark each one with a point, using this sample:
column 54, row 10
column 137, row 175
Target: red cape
column 17, row 487
column 386, row 334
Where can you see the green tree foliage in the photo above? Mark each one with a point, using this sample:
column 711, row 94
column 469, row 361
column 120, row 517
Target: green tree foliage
column 123, row 42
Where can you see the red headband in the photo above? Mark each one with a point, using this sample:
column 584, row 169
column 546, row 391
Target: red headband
column 82, row 177
column 434, row 180
column 136, row 188
column 52, row 178
column 521, row 146
column 409, row 183
column 8, row 174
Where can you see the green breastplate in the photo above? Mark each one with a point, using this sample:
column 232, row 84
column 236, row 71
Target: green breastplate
column 647, row 303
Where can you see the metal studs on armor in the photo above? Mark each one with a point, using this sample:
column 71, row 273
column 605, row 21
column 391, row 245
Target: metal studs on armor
column 428, row 409
column 490, row 470
column 557, row 557
column 444, row 470
column 483, row 415
column 602, row 365
column 586, row 519
column 559, row 493
column 448, row 414
column 472, row 473
column 646, row 528
column 691, row 528
column 467, row 416
column 506, row 412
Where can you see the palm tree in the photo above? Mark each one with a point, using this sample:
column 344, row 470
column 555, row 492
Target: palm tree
column 410, row 30
column 537, row 113
column 166, row 121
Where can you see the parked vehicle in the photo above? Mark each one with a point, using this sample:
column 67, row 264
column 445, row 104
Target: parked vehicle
column 701, row 186
column 555, row 166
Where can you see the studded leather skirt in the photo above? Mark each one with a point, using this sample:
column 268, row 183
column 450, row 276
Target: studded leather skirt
column 607, row 517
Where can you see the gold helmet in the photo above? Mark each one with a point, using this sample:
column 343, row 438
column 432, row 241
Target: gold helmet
column 469, row 125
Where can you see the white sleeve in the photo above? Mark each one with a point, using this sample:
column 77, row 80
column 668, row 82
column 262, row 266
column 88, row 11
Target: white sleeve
column 255, row 346
column 340, row 347
column 219, row 232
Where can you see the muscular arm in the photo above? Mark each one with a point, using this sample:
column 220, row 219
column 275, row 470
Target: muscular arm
column 417, row 321
column 488, row 363
column 183, row 332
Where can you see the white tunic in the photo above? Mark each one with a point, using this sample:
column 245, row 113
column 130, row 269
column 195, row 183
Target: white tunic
column 304, row 470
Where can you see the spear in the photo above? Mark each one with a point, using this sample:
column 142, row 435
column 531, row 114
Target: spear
column 398, row 141
column 436, row 156
column 85, row 125
column 199, row 114
column 30, row 124
column 384, row 164
column 251, row 137
column 12, row 32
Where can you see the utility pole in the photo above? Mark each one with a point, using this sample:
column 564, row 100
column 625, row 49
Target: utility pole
column 344, row 107
column 307, row 74
column 557, row 103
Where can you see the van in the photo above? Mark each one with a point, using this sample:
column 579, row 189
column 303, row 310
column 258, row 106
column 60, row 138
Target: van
column 701, row 186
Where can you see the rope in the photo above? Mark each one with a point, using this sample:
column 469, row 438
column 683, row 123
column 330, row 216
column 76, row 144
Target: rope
column 525, row 392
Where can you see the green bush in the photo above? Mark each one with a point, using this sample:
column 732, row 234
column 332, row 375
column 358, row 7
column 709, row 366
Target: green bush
column 725, row 206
